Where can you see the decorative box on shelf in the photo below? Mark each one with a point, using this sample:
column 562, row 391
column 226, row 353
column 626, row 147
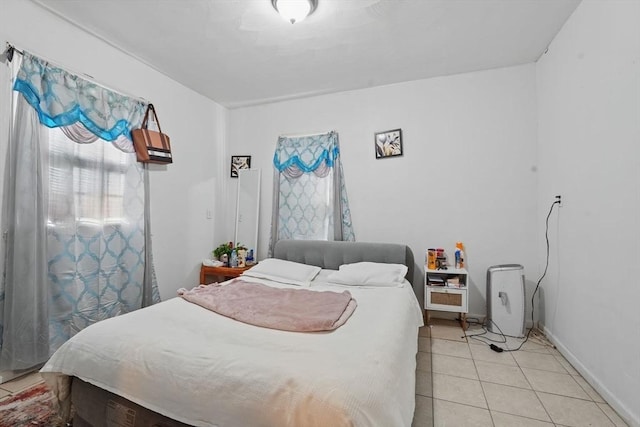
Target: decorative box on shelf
column 446, row 290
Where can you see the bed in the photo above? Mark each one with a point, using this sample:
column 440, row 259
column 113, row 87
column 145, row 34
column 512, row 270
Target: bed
column 178, row 364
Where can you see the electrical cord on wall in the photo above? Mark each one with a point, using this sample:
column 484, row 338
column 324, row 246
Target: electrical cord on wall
column 544, row 273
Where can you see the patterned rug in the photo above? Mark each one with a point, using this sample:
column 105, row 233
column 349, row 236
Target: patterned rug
column 31, row 407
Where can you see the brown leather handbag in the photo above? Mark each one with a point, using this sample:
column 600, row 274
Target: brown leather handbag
column 151, row 146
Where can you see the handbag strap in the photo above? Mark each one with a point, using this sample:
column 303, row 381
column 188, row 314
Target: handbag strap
column 150, row 108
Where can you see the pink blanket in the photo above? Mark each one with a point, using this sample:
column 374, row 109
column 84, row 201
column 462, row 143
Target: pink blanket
column 298, row 310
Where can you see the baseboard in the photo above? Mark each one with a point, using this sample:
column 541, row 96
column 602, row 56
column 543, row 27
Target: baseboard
column 622, row 410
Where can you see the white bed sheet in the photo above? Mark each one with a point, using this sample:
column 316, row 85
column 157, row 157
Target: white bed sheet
column 203, row 369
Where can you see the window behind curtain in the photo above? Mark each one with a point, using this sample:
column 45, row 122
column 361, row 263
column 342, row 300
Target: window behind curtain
column 310, row 197
column 77, row 245
column 95, row 232
column 92, row 174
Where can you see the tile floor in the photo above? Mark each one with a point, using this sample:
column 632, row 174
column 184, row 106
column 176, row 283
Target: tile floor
column 462, row 382
column 19, row 384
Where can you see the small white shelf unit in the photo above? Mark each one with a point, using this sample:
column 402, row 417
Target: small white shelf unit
column 446, row 290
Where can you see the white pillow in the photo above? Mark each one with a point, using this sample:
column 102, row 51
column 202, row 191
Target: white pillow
column 283, row 271
column 369, row 274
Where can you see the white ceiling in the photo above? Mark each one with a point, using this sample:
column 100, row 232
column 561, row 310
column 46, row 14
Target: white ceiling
column 240, row 52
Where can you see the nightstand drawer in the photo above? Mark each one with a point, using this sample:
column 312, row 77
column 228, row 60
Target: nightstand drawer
column 446, row 299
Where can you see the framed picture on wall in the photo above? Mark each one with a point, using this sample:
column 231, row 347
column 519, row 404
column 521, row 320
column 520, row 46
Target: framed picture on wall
column 239, row 162
column 388, row 143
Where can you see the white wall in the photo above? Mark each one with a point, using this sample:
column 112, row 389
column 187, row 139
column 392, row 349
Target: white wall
column 467, row 173
column 589, row 151
column 181, row 193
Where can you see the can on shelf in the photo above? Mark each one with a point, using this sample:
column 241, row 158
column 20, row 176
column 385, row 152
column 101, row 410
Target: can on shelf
column 441, row 259
column 431, row 259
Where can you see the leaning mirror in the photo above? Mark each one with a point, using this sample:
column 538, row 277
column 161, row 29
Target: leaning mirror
column 248, row 208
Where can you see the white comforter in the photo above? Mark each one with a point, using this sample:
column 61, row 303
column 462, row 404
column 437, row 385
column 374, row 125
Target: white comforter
column 203, row 369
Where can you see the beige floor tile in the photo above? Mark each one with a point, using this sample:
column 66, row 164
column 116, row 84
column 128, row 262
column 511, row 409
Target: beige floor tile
column 455, row 366
column 460, row 390
column 569, row 411
column 424, row 383
column 613, row 416
column 554, row 382
column 545, row 362
column 474, row 330
column 479, row 334
column 423, row 416
column 4, row 393
column 501, row 374
column 486, row 337
column 446, row 414
column 484, row 353
column 423, row 361
column 554, row 351
column 451, row 395
column 22, row 382
column 515, row 401
column 516, row 343
column 450, row 348
column 566, row 365
column 424, row 344
column 535, row 347
column 453, row 333
column 424, row 331
column 588, row 389
column 508, row 420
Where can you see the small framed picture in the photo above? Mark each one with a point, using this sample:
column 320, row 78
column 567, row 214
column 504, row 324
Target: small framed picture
column 388, row 143
column 239, row 162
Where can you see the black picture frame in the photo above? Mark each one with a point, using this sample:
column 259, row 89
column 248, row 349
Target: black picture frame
column 239, row 163
column 388, row 143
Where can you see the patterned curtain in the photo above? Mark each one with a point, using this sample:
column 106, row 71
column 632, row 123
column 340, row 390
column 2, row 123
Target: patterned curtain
column 310, row 197
column 75, row 215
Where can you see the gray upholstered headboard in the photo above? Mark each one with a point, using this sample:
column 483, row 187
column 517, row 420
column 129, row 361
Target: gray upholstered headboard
column 332, row 255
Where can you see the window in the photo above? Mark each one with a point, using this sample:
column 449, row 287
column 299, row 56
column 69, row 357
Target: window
column 86, row 181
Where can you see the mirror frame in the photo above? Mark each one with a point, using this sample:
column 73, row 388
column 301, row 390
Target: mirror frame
column 239, row 209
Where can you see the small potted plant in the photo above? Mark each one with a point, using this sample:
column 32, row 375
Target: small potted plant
column 223, row 249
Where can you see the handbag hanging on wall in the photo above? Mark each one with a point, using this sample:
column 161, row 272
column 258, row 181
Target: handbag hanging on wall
column 151, row 146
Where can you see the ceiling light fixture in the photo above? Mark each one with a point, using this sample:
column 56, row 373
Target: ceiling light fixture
column 295, row 10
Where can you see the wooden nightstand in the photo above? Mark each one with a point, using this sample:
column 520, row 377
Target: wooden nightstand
column 223, row 273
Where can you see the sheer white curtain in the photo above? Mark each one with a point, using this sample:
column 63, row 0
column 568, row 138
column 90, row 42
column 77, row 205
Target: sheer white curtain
column 95, row 233
column 24, row 310
column 310, row 197
column 75, row 223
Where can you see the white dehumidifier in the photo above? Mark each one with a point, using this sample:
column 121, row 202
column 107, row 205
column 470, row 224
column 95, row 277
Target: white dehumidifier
column 505, row 299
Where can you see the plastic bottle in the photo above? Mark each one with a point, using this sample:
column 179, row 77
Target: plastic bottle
column 234, row 259
column 459, row 255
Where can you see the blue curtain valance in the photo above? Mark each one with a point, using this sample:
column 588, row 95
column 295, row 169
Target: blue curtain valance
column 307, row 153
column 62, row 99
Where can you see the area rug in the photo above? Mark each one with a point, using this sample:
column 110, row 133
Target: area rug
column 31, row 407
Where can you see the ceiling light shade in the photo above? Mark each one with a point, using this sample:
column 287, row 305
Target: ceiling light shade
column 295, row 10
